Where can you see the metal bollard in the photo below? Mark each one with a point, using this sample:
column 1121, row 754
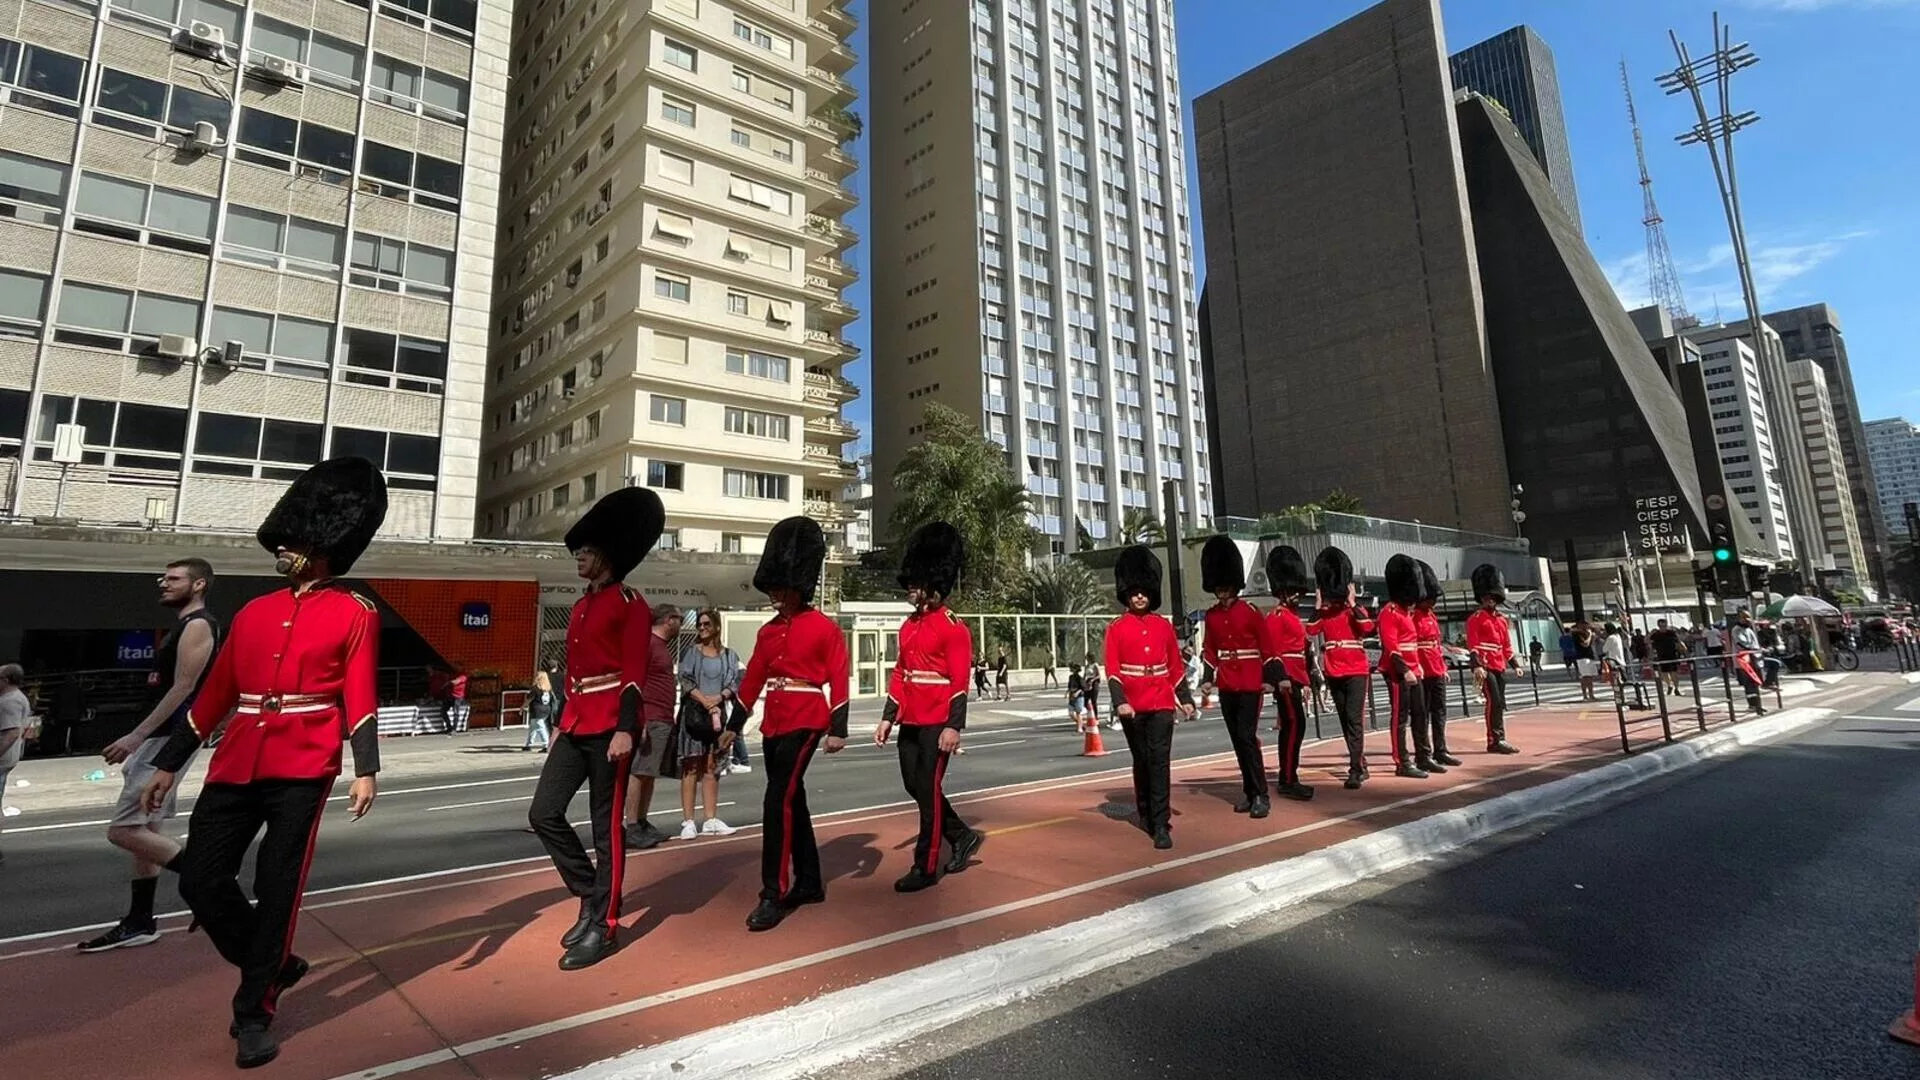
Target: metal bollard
column 1533, row 675
column 1699, row 707
column 1620, row 715
column 1660, row 693
column 1462, row 674
column 1726, row 687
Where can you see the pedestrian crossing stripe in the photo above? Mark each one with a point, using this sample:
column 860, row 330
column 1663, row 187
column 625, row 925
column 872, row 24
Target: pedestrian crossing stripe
column 1912, row 705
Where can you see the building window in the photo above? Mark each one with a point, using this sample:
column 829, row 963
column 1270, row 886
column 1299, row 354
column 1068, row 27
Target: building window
column 376, row 358
column 329, row 60
column 283, row 243
column 118, row 434
column 390, row 265
column 672, row 287
column 669, row 540
column 229, row 445
column 560, row 496
column 674, row 228
column 282, row 343
column 667, row 410
column 23, row 303
column 103, row 318
column 753, row 249
column 417, row 89
column 779, row 95
column 41, row 78
column 675, row 111
column 731, row 544
column 757, row 364
column 761, row 142
column 667, row 475
column 163, row 217
column 761, row 195
column 410, row 461
column 182, row 12
column 737, row 303
column 760, row 425
column 676, row 168
column 589, row 487
column 310, row 150
column 145, row 106
column 407, row 176
column 681, row 56
column 740, row 484
column 669, row 348
column 32, row 189
column 778, row 44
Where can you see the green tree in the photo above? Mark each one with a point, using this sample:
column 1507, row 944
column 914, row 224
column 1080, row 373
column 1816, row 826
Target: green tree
column 1338, row 501
column 1062, row 587
column 1139, row 526
column 955, row 475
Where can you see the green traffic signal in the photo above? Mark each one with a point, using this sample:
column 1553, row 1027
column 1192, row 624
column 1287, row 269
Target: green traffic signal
column 1721, row 555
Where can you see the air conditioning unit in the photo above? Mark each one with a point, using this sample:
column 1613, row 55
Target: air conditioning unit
column 177, row 347
column 281, row 70
column 567, row 394
column 206, row 36
column 205, row 137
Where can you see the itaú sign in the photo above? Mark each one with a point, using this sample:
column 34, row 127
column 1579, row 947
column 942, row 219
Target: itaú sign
column 1661, row 523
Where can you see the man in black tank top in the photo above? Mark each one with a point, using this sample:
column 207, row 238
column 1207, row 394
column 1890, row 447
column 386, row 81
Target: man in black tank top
column 179, row 663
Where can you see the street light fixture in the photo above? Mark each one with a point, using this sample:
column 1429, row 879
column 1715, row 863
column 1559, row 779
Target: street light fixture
column 1519, row 515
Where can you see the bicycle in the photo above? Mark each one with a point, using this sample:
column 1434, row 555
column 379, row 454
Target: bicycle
column 1844, row 657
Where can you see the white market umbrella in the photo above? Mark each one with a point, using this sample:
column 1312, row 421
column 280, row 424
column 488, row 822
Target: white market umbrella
column 1802, row 607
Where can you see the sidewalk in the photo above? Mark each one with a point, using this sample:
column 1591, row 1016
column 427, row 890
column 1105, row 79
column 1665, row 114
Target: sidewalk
column 455, row 976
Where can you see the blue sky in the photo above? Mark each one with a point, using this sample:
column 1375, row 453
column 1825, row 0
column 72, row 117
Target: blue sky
column 1829, row 178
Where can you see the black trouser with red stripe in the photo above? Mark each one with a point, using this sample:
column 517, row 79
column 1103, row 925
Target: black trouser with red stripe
column 1434, row 690
column 923, row 769
column 1150, row 741
column 1241, row 710
column 1291, row 704
column 1404, row 704
column 1496, row 706
column 573, row 760
column 257, row 938
column 1349, row 693
column 789, row 857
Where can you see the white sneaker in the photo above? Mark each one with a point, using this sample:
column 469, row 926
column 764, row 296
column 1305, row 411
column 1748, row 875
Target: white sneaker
column 688, row 831
column 715, row 827
column 741, row 766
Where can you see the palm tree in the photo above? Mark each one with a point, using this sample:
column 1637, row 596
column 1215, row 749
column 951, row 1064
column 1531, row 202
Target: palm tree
column 955, row 475
column 1139, row 526
column 1061, row 587
column 1338, row 501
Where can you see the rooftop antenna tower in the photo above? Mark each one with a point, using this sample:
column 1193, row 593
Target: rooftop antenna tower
column 1663, row 281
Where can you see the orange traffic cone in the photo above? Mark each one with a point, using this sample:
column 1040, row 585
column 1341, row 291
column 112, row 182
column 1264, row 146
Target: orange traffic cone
column 1906, row 1027
column 1094, row 747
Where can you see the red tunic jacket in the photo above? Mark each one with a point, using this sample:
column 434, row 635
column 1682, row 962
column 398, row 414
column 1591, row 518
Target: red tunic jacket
column 1342, row 630
column 929, row 682
column 1399, row 651
column 800, row 661
column 607, row 648
column 297, row 672
column 1426, row 632
column 1488, row 637
column 1236, row 646
column 1287, row 643
column 1143, row 665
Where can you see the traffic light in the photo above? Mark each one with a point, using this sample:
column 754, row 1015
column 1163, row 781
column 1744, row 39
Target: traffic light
column 1703, row 580
column 1756, row 578
column 1724, row 552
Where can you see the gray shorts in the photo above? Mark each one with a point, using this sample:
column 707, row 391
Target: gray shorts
column 661, row 740
column 135, row 772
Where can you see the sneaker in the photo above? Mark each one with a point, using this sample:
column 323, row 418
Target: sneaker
column 122, row 936
column 689, row 831
column 741, row 766
column 715, row 827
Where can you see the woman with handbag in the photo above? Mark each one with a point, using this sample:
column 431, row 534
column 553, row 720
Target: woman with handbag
column 540, row 712
column 709, row 677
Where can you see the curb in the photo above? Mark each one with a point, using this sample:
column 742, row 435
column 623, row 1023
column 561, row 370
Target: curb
column 862, row 1020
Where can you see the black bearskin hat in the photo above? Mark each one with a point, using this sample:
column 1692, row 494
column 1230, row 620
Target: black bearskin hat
column 1403, row 580
column 333, row 509
column 1429, row 583
column 934, row 558
column 1333, row 572
column 623, row 526
column 1221, row 566
column 1487, row 581
column 1287, row 572
column 795, row 549
column 1137, row 571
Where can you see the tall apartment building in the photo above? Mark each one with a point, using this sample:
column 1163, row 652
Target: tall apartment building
column 1745, row 432
column 1032, row 250
column 1894, row 445
column 1833, row 492
column 668, row 309
column 1515, row 70
column 238, row 238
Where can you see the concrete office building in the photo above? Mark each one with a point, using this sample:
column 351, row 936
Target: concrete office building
column 1894, row 445
column 1032, row 245
column 1344, row 292
column 1813, row 331
column 668, row 307
column 1745, row 430
column 238, row 238
column 1515, row 70
column 1833, row 494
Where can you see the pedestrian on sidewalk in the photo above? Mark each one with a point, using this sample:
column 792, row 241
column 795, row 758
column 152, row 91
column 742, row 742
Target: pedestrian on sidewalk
column 800, row 663
column 1400, row 665
column 980, row 677
column 1000, row 675
column 710, row 679
column 1586, row 658
column 278, row 761
column 1284, row 667
column 1077, row 699
column 1090, row 673
column 1047, row 677
column 1534, row 651
column 1342, row 625
column 1613, row 657
column 1195, row 683
column 1147, row 683
column 1664, row 643
column 1430, row 746
column 15, row 713
column 1235, row 651
column 1748, row 660
column 180, row 664
column 927, row 699
column 1568, row 654
column 540, row 712
column 1490, row 637
column 608, row 657
column 656, row 755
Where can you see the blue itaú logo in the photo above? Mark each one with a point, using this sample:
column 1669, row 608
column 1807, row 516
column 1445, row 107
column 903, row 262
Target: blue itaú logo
column 476, row 615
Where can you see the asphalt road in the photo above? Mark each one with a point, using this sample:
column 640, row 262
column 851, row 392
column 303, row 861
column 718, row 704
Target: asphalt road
column 1751, row 920
column 61, row 874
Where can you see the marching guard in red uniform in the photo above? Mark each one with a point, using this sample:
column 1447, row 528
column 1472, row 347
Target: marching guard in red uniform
column 1235, row 652
column 607, row 641
column 1342, row 626
column 1430, row 740
column 927, row 700
column 1146, row 679
column 800, row 664
column 1285, row 666
column 1400, row 662
column 297, row 675
column 1491, row 641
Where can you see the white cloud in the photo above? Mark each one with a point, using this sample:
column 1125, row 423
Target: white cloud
column 1709, row 278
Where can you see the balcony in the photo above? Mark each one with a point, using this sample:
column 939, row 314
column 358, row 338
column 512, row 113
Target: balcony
column 828, row 513
column 828, row 462
column 832, row 428
column 837, row 236
column 841, row 555
column 829, row 46
column 836, row 312
column 829, row 389
column 836, row 272
column 820, row 288
column 829, row 196
column 839, row 90
column 837, row 161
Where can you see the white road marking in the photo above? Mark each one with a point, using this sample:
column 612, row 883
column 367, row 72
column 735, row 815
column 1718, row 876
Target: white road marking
column 185, row 803
column 1909, row 706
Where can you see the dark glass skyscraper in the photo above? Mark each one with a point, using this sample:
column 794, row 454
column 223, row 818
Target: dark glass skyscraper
column 1515, row 69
